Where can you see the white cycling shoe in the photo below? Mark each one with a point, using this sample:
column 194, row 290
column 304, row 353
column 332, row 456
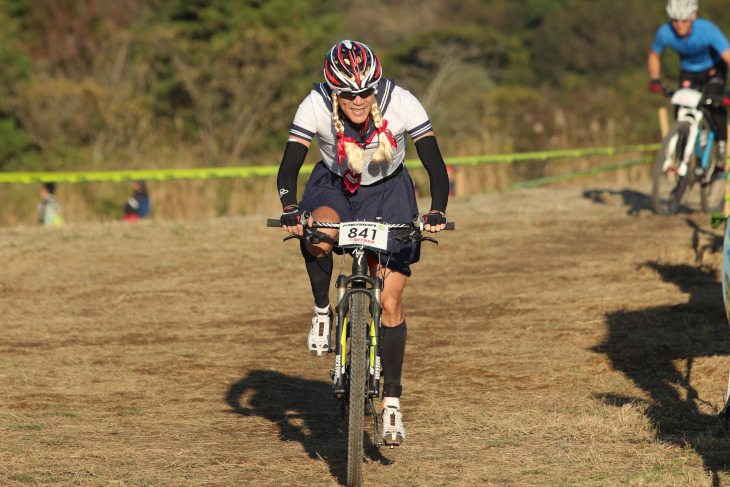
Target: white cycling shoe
column 393, row 431
column 318, row 341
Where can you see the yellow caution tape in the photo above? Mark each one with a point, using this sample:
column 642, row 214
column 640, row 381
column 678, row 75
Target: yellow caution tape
column 261, row 171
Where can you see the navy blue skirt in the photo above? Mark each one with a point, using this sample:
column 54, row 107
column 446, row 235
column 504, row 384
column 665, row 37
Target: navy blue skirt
column 393, row 199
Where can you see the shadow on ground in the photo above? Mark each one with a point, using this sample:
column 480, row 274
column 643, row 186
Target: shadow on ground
column 656, row 348
column 638, row 202
column 305, row 411
column 635, row 200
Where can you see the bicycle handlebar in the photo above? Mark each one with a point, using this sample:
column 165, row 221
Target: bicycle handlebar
column 412, row 231
column 271, row 222
column 706, row 100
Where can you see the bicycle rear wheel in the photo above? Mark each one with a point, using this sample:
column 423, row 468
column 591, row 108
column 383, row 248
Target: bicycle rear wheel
column 358, row 374
column 712, row 186
column 670, row 190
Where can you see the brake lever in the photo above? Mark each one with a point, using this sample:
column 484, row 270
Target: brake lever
column 406, row 237
column 315, row 236
column 413, row 235
column 312, row 236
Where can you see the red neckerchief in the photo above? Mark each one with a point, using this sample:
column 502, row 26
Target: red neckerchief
column 341, row 154
column 342, row 139
column 352, row 180
column 364, row 129
column 384, row 130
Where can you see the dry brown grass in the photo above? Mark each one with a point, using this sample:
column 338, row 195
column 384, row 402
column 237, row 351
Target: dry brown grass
column 171, row 200
column 562, row 336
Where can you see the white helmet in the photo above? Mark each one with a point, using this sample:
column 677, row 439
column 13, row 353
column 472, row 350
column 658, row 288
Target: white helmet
column 681, row 9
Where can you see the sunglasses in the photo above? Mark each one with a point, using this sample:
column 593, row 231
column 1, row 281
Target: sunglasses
column 351, row 96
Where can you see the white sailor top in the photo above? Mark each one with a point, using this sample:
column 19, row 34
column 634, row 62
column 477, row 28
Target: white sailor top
column 402, row 114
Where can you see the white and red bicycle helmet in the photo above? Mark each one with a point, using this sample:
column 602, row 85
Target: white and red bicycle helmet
column 351, row 67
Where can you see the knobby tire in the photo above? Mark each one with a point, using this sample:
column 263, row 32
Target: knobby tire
column 668, row 189
column 712, row 188
column 358, row 375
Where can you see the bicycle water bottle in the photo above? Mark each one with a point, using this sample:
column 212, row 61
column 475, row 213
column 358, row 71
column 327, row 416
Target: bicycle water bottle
column 703, row 138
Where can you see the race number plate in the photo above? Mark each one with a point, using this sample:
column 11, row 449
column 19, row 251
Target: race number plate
column 687, row 97
column 370, row 234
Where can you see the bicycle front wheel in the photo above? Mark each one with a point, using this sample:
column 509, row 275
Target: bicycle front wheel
column 670, row 190
column 712, row 194
column 358, row 374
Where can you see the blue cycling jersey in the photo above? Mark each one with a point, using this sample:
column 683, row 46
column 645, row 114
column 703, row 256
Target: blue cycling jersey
column 699, row 51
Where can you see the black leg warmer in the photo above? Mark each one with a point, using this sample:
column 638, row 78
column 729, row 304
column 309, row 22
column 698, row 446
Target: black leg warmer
column 320, row 275
column 393, row 350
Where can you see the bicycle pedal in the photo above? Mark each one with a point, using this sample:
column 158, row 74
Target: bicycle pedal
column 392, row 443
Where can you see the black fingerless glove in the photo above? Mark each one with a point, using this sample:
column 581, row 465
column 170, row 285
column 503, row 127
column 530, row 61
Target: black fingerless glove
column 291, row 217
column 434, row 218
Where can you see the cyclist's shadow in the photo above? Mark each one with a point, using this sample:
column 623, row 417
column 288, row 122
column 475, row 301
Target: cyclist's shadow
column 655, row 348
column 305, row 411
column 636, row 201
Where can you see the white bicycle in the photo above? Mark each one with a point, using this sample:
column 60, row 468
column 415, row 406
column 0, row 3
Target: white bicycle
column 688, row 155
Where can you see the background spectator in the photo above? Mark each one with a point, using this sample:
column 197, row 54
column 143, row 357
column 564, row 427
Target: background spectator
column 138, row 205
column 49, row 210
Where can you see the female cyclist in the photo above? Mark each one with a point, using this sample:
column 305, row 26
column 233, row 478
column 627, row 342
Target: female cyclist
column 361, row 121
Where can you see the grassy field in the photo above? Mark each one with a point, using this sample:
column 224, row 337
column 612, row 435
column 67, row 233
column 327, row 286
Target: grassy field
column 561, row 336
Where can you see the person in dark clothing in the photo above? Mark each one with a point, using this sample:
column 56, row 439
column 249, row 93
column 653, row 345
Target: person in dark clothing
column 138, row 205
column 361, row 122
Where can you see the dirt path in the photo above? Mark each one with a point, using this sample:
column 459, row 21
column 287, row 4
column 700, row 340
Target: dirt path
column 562, row 336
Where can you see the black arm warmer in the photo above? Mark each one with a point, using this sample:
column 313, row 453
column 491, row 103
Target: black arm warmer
column 286, row 180
column 430, row 155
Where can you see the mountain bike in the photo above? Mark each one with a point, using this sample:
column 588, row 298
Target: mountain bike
column 688, row 154
column 358, row 331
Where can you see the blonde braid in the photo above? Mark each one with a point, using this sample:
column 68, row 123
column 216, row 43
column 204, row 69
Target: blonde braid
column 339, row 127
column 355, row 154
column 385, row 150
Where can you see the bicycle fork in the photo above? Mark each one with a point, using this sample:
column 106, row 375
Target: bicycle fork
column 358, row 282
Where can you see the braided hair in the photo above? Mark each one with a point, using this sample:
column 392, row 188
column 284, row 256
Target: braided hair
column 355, row 153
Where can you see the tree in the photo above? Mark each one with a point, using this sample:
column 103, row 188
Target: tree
column 598, row 40
column 225, row 68
column 16, row 63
